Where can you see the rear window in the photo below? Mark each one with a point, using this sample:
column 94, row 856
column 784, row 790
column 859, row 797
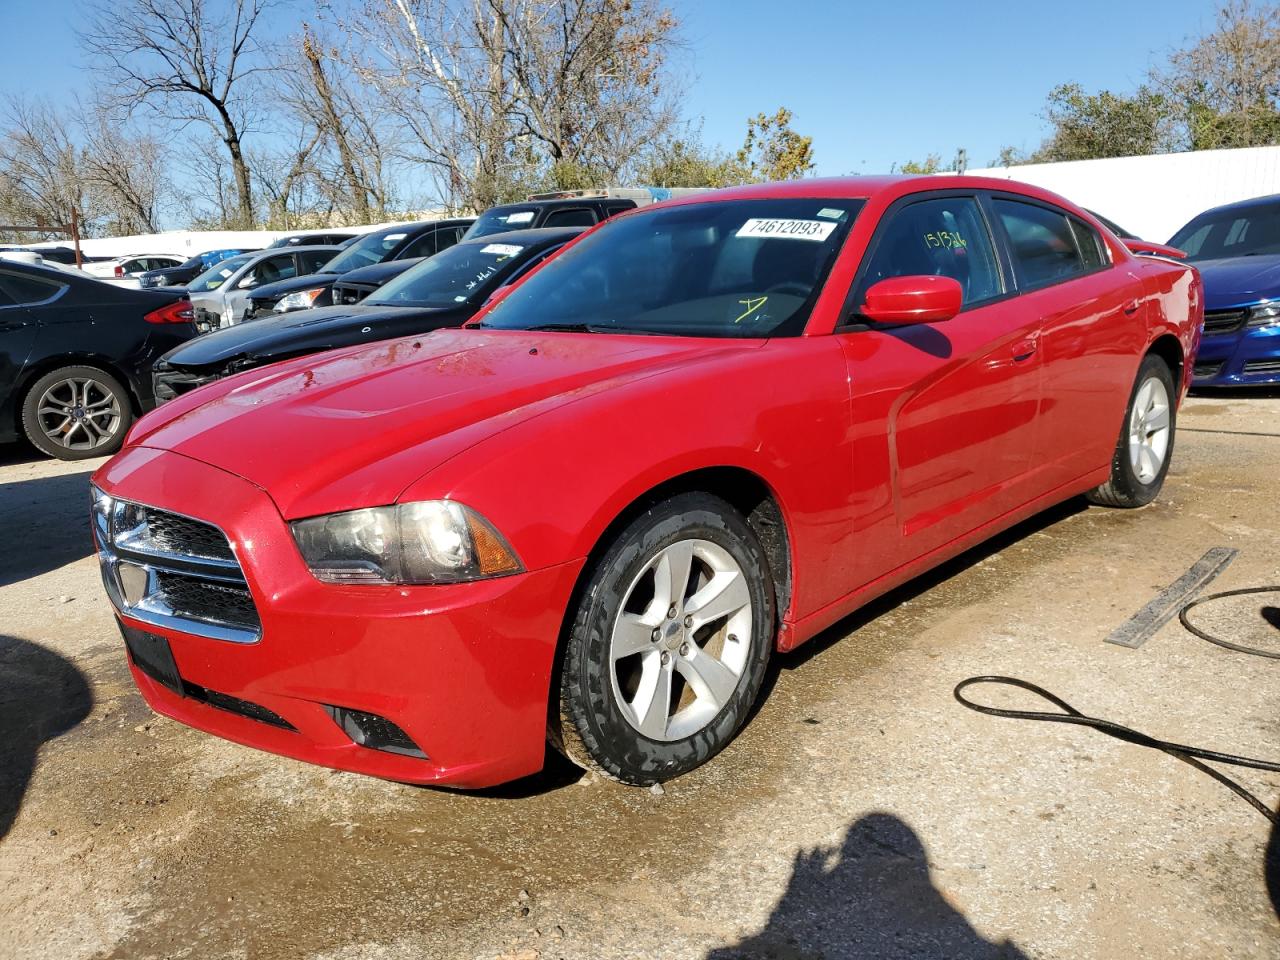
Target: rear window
column 500, row 219
column 1042, row 243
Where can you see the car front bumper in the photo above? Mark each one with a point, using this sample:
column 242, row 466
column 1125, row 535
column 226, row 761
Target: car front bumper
column 463, row 670
column 1244, row 357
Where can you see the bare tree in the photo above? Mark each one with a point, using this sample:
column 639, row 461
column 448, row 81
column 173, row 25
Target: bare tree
column 497, row 96
column 42, row 178
column 128, row 172
column 192, row 61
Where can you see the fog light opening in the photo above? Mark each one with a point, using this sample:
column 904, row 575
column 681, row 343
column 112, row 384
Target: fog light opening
column 375, row 732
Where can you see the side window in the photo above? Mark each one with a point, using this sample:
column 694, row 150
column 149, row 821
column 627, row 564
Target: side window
column 614, row 209
column 313, row 261
column 448, row 237
column 1090, row 244
column 274, row 268
column 423, row 246
column 944, row 237
column 1041, row 242
column 20, row 290
column 573, row 217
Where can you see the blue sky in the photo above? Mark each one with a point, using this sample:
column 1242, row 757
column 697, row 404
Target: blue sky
column 872, row 83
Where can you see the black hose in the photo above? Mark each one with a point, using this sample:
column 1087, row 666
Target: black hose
column 1188, row 755
column 1253, row 651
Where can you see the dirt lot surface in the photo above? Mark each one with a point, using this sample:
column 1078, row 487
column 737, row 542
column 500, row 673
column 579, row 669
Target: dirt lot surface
column 862, row 813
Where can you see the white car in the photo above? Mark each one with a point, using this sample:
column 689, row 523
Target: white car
column 125, row 270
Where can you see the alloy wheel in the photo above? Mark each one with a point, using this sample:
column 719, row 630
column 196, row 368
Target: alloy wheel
column 681, row 640
column 79, row 413
column 1149, row 428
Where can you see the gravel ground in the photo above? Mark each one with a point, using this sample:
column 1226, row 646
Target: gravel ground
column 862, row 813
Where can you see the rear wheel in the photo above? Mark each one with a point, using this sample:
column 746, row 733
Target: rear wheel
column 1145, row 446
column 74, row 413
column 669, row 643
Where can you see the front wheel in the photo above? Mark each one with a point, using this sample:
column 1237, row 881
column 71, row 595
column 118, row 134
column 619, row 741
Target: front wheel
column 1145, row 447
column 669, row 643
column 75, row 413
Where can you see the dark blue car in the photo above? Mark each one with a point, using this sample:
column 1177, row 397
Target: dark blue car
column 1237, row 250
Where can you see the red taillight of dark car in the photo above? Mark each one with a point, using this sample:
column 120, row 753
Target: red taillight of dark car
column 177, row 312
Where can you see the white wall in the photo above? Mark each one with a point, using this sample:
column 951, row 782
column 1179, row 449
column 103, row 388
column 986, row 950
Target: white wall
column 1154, row 196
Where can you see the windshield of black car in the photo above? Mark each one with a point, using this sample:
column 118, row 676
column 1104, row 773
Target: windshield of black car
column 464, row 272
column 365, row 252
column 218, row 274
column 1231, row 233
column 735, row 268
column 501, row 219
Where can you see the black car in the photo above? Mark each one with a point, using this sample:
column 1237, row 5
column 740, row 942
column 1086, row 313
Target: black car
column 76, row 357
column 315, row 239
column 390, row 243
column 562, row 212
column 354, row 286
column 441, row 291
column 184, row 273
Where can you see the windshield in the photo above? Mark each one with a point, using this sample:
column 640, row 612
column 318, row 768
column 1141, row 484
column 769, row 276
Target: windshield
column 217, row 275
column 501, row 219
column 1231, row 233
column 365, row 252
column 737, row 268
column 464, row 273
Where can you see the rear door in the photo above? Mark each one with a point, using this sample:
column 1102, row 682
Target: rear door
column 1089, row 311
column 17, row 327
column 960, row 398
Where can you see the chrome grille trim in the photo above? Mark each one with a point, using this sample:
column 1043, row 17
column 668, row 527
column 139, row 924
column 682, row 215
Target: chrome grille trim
column 135, row 572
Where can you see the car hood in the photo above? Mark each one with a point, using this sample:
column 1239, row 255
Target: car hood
column 355, row 428
column 1240, row 280
column 274, row 291
column 304, row 331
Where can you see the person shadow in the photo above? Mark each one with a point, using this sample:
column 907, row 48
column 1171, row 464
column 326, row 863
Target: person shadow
column 42, row 696
column 871, row 898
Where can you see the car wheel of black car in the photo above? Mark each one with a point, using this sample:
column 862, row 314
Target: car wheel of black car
column 74, row 413
column 1145, row 447
column 668, row 647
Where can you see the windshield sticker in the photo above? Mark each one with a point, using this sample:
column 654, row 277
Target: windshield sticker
column 831, row 213
column 524, row 216
column 777, row 228
column 502, row 249
column 945, row 238
column 752, row 304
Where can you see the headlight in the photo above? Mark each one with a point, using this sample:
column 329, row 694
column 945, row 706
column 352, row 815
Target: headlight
column 1265, row 315
column 301, row 300
column 102, row 508
column 434, row 541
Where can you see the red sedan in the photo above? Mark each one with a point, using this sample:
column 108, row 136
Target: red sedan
column 702, row 433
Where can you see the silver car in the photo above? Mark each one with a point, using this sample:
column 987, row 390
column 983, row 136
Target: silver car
column 220, row 295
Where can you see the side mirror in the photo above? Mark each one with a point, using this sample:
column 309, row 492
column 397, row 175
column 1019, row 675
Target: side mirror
column 248, row 283
column 915, row 299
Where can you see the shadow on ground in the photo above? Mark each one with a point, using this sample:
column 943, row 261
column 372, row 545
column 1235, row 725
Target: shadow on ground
column 42, row 696
column 871, row 897
column 47, row 520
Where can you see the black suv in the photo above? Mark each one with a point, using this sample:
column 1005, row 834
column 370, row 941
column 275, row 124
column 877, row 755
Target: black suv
column 403, row 241
column 563, row 212
column 76, row 357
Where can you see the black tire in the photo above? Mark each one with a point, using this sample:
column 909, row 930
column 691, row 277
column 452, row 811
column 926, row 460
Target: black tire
column 591, row 728
column 97, row 435
column 1125, row 488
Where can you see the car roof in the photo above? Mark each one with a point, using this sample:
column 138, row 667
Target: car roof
column 300, row 248
column 1267, row 201
column 418, row 226
column 536, row 237
column 558, row 202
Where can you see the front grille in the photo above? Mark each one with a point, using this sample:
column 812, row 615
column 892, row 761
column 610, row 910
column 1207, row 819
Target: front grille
column 1262, row 366
column 205, row 320
column 216, row 601
column 348, row 294
column 1224, row 321
column 179, row 534
column 1203, row 371
column 173, row 571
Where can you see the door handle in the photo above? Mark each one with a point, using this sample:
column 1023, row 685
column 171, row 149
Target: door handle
column 1131, row 308
column 1025, row 349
